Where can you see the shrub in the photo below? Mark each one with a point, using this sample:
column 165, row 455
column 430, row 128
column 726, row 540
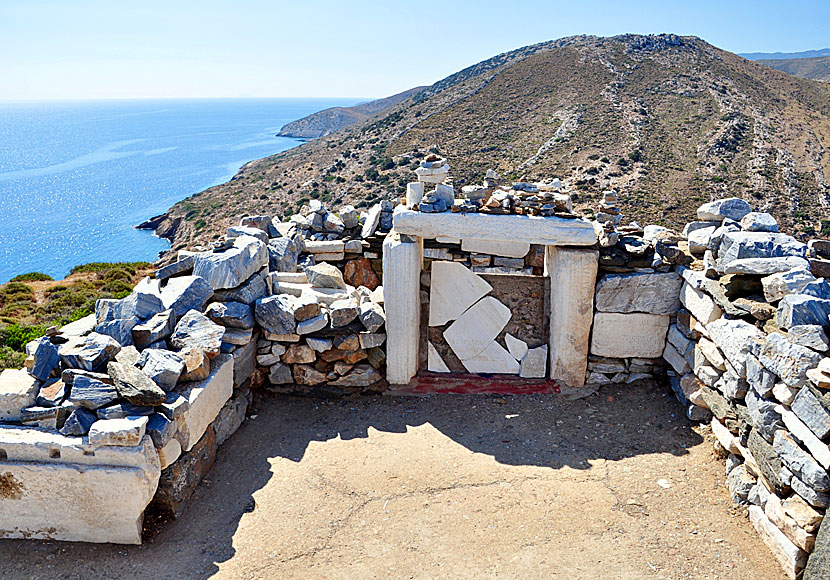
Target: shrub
column 16, row 292
column 10, row 359
column 32, row 277
column 15, row 336
column 101, row 267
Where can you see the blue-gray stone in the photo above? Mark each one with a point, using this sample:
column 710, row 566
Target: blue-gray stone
column 46, row 356
column 817, row 288
column 249, row 292
column 811, row 496
column 743, row 245
column 89, row 353
column 787, row 360
column 798, row 310
column 756, row 221
column 121, row 329
column 162, row 366
column 809, row 335
column 763, row 416
column 157, row 328
column 275, row 314
column 183, row 266
column 91, row 393
column 730, row 207
column 801, row 463
column 174, row 405
column 160, row 429
column 185, row 293
column 133, row 385
column 811, row 406
column 760, row 379
column 232, row 314
column 79, row 422
column 121, row 410
column 282, row 255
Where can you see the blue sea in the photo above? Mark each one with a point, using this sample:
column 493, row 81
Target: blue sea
column 75, row 177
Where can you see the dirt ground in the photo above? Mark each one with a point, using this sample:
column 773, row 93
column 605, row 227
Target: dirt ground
column 617, row 485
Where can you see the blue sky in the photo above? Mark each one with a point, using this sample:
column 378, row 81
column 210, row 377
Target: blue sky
column 85, row 49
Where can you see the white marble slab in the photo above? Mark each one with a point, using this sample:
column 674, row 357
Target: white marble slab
column 434, row 361
column 493, row 359
column 453, row 289
column 474, row 330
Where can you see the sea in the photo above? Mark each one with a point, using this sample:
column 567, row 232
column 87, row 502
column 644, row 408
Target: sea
column 76, row 177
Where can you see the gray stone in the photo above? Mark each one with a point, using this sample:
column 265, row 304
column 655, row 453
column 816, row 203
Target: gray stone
column 133, row 385
column 162, row 366
column 121, row 410
column 186, row 293
column 157, row 328
column 756, row 221
column 184, row 265
column 280, row 374
column 811, row 496
column 776, row 286
column 275, row 314
column 52, row 393
column 128, row 431
column 731, row 385
column 812, row 407
column 233, row 314
column 283, row 254
column 160, row 429
column 46, row 358
column 232, row 267
column 648, row 293
column 801, row 463
column 730, row 207
column 237, row 231
column 342, row 312
column 534, row 363
column 762, row 266
column 121, row 329
column 760, row 379
column 751, row 245
column 362, row 375
column 768, row 462
column 732, row 337
column 90, row 353
column 174, row 406
column 306, row 307
column 372, row 316
column 372, row 222
column 692, row 226
column 315, row 324
column 818, row 289
column 231, row 417
column 809, row 335
column 716, row 237
column 237, row 336
column 325, row 275
column 787, row 360
column 247, row 293
column 260, row 222
column 333, row 224
column 196, row 330
column 798, row 309
column 78, row 422
column 740, row 481
column 316, row 344
column 763, row 415
column 91, row 393
column 350, row 217
column 45, row 417
column 818, row 564
column 371, row 339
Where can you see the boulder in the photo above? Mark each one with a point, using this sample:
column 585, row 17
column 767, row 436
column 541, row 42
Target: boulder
column 372, row 316
column 762, row 266
column 275, row 314
column 92, row 393
column 787, row 360
column 798, row 309
column 231, row 314
column 756, row 221
column 52, row 393
column 818, row 289
column 47, row 360
column 720, row 209
column 325, row 275
column 283, row 254
column 182, row 266
column 638, row 335
column 157, row 328
column 127, row 432
column 776, row 286
column 18, row 389
column 647, row 293
column 247, row 293
column 133, row 385
column 809, row 335
column 359, row 272
column 237, row 231
column 196, row 330
column 186, row 293
column 162, row 366
column 90, row 353
column 754, row 245
column 121, row 329
column 231, row 267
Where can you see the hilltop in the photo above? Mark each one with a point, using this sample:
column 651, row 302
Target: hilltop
column 817, row 68
column 669, row 121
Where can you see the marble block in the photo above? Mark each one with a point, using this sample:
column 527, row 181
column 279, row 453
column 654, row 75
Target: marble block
column 474, row 330
column 453, row 289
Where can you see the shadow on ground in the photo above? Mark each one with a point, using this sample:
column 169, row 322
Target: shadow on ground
column 533, row 430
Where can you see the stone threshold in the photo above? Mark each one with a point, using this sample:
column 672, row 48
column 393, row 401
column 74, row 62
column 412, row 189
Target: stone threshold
column 466, row 384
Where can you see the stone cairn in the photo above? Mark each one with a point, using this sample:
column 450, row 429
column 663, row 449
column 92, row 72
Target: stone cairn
column 167, row 371
column 539, row 199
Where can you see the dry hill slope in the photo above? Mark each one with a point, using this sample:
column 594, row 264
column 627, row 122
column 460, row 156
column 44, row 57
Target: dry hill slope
column 817, row 68
column 668, row 121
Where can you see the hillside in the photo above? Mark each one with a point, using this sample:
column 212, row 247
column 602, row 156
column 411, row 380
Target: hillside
column 668, row 121
column 333, row 119
column 785, row 55
column 807, row 68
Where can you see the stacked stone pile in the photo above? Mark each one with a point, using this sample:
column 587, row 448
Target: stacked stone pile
column 748, row 351
column 539, row 199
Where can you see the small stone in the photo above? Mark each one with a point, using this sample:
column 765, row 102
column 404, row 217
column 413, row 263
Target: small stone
column 800, row 462
column 811, row 406
column 306, row 375
column 804, row 515
column 280, row 374
column 174, row 406
column 196, row 364
column 318, row 344
column 90, row 353
column 157, row 328
column 52, row 393
column 196, row 330
column 133, row 385
column 121, row 410
column 372, row 316
column 186, row 293
column 182, row 266
column 92, row 393
column 313, row 324
column 162, row 366
column 79, row 422
column 299, row 354
column 359, row 272
column 740, row 481
column 787, row 360
column 343, row 312
column 276, row 314
column 325, row 276
column 160, row 429
column 46, row 358
column 371, row 339
column 126, row 432
column 809, row 335
column 231, row 314
column 534, row 363
column 362, row 375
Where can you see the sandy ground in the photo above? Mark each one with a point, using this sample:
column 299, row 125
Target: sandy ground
column 443, row 487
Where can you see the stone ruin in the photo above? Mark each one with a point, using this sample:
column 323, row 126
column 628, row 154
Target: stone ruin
column 125, row 409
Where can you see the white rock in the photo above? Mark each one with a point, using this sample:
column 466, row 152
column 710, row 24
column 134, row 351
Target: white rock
column 437, row 254
column 325, row 247
column 702, row 307
column 168, row 454
column 434, row 361
column 649, row 293
column 676, row 359
column 711, row 353
column 18, row 389
column 699, row 240
column 101, row 492
column 414, row 193
column 763, row 266
column 572, row 274
column 128, row 431
column 733, row 208
column 776, row 286
column 474, row 330
column 514, row 228
column 493, row 359
column 791, row 558
column 401, row 294
column 534, row 363
column 205, row 399
column 502, row 248
column 816, row 446
column 234, row 266
column 724, row 437
column 798, row 536
column 784, row 393
column 732, row 338
column 453, row 289
column 636, row 334
column 516, row 346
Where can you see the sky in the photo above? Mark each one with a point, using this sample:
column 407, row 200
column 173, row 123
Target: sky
column 112, row 49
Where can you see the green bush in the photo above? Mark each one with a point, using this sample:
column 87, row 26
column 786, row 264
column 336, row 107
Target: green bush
column 16, row 292
column 10, row 359
column 15, row 336
column 101, row 267
column 32, row 277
